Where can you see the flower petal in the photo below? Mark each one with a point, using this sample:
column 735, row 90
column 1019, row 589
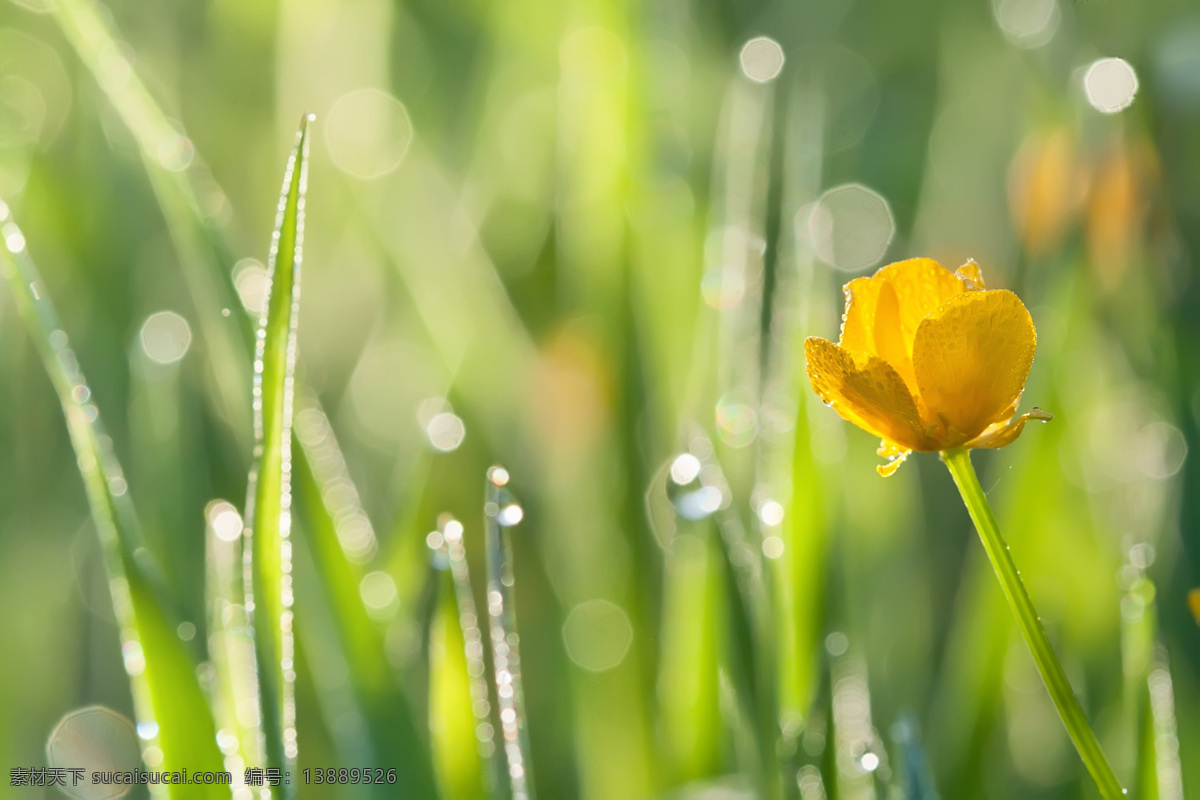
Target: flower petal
column 921, row 286
column 866, row 390
column 858, row 320
column 883, row 311
column 1001, row 434
column 971, row 358
column 890, row 344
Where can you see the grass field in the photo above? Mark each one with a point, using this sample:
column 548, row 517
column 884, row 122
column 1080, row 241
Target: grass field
column 480, row 460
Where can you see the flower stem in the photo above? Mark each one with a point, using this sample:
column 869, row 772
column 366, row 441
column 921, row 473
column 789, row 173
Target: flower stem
column 959, row 463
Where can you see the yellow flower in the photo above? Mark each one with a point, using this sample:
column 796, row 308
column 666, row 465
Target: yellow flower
column 928, row 360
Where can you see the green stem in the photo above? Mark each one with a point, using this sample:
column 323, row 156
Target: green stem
column 959, row 463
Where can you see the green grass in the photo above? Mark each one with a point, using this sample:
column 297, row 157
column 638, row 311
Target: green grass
column 168, row 697
column 597, row 252
column 269, row 589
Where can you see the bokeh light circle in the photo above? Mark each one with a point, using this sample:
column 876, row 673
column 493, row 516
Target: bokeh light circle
column 445, row 431
column 166, row 337
column 250, row 280
column 850, row 227
column 762, row 59
column 1027, row 23
column 368, row 132
column 1110, row 85
column 597, row 635
column 95, row 739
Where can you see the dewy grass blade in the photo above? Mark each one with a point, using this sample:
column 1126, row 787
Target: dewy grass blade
column 269, row 497
column 449, row 538
column 167, row 696
column 500, row 513
column 959, row 463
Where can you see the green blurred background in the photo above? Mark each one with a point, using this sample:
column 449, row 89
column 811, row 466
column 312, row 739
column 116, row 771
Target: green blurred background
column 580, row 239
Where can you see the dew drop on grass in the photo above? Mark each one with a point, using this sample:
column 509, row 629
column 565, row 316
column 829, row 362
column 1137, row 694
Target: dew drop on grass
column 510, row 515
column 692, row 497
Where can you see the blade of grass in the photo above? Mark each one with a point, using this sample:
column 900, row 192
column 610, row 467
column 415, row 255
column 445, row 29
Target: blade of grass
column 167, row 695
column 451, row 532
column 457, row 716
column 502, row 624
column 269, row 497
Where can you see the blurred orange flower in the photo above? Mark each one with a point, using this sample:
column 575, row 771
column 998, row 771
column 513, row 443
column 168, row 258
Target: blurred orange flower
column 928, row 360
column 1046, row 184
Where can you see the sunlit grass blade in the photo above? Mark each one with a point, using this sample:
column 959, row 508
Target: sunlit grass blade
column 459, row 706
column 340, row 540
column 268, row 506
column 500, row 514
column 451, row 539
column 167, row 695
